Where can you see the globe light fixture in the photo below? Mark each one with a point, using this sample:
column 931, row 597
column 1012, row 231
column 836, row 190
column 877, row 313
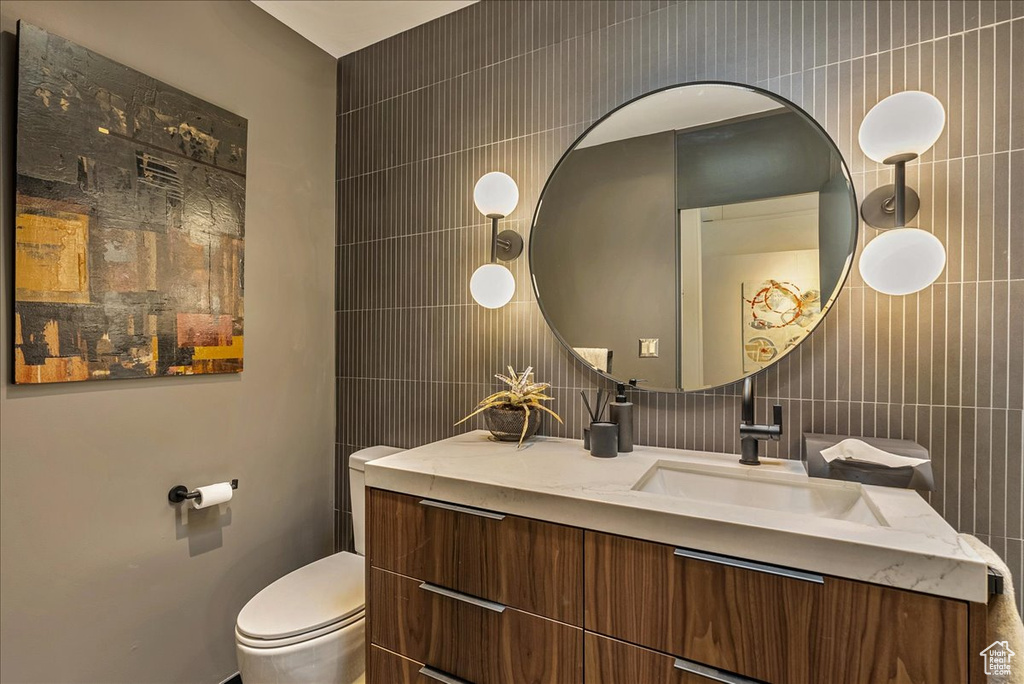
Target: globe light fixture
column 492, row 286
column 902, row 126
column 902, row 261
column 496, row 196
column 897, row 130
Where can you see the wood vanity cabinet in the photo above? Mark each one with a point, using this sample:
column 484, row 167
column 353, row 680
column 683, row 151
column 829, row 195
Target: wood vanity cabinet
column 457, row 594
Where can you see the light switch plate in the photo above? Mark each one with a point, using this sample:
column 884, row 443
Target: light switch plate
column 648, row 347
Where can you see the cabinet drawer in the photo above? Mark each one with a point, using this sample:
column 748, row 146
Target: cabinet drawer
column 608, row 661
column 385, row 667
column 527, row 564
column 746, row 620
column 477, row 641
column 867, row 634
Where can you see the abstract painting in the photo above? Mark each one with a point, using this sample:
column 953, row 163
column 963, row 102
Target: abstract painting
column 129, row 223
column 777, row 315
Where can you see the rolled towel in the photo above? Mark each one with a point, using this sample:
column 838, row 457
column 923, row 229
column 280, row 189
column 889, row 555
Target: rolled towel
column 595, row 356
column 1004, row 623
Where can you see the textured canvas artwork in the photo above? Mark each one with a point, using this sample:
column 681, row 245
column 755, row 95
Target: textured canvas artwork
column 129, row 226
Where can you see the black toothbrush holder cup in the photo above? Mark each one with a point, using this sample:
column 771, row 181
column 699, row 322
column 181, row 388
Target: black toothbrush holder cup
column 604, row 440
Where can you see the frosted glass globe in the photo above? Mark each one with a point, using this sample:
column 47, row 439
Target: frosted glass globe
column 906, row 123
column 492, row 286
column 496, row 194
column 902, row 261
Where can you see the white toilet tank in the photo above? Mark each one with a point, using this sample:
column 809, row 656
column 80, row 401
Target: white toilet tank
column 357, row 488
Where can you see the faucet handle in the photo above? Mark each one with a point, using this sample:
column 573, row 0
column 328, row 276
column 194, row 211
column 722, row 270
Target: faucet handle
column 777, row 419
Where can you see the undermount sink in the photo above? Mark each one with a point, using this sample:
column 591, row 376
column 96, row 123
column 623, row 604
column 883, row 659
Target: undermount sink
column 761, row 489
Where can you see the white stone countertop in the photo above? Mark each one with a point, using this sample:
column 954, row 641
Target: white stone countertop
column 909, row 547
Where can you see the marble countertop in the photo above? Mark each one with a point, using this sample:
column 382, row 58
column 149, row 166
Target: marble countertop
column 557, row 480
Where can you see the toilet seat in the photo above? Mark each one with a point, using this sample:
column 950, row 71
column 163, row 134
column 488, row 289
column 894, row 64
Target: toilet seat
column 317, row 599
column 254, row 642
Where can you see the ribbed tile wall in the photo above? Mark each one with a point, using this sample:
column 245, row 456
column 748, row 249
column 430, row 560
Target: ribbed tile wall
column 509, row 85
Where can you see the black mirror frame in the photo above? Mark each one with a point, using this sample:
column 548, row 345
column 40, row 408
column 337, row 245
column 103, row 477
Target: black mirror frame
column 826, row 305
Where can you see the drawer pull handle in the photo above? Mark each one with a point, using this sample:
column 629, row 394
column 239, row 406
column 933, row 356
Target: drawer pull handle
column 465, row 598
column 711, row 673
column 439, row 676
column 462, row 509
column 751, row 565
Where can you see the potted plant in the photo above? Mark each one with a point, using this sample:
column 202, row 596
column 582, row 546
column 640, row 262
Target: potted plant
column 514, row 413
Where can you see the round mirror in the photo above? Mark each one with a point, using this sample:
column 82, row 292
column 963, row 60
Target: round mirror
column 693, row 236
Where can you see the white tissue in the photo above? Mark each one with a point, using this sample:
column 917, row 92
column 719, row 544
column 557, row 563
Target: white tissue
column 856, row 450
column 214, row 494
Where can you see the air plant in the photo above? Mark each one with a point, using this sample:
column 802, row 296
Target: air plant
column 521, row 395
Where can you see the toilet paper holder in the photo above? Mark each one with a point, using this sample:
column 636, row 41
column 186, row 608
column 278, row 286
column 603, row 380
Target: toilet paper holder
column 181, row 493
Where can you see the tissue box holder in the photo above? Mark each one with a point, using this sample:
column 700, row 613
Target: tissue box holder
column 906, row 477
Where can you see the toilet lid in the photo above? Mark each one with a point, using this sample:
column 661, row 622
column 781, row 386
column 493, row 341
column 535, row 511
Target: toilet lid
column 312, row 597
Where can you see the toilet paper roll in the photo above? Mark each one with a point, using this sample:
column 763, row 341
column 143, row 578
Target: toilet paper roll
column 211, row 495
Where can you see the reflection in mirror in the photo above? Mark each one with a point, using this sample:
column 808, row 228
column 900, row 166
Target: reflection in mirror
column 693, row 237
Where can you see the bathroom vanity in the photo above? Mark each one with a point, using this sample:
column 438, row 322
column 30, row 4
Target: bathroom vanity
column 488, row 563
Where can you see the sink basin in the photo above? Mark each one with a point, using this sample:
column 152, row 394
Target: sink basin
column 761, row 489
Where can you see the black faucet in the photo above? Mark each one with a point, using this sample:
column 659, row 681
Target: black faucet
column 751, row 433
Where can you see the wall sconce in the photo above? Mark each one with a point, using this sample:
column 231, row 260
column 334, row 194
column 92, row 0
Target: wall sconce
column 496, row 196
column 899, row 129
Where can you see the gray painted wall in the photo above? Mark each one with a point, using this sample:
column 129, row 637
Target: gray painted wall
column 101, row 580
column 613, row 200
column 768, row 155
column 509, row 85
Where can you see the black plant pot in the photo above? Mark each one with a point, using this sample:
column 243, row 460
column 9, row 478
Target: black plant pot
column 506, row 424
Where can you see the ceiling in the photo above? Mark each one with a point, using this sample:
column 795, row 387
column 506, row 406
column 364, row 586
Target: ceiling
column 342, row 26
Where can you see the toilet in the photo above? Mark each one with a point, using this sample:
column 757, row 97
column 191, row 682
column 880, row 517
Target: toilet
column 308, row 627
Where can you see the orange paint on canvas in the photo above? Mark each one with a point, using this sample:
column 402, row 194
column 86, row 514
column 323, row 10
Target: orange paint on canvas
column 70, row 369
column 211, row 366
column 204, row 330
column 51, row 334
column 51, row 263
column 230, row 351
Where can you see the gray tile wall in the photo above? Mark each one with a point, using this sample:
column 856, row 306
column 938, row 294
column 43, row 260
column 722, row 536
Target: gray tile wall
column 509, row 85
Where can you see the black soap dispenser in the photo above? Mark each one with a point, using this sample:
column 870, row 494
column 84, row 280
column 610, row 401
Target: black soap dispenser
column 621, row 412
